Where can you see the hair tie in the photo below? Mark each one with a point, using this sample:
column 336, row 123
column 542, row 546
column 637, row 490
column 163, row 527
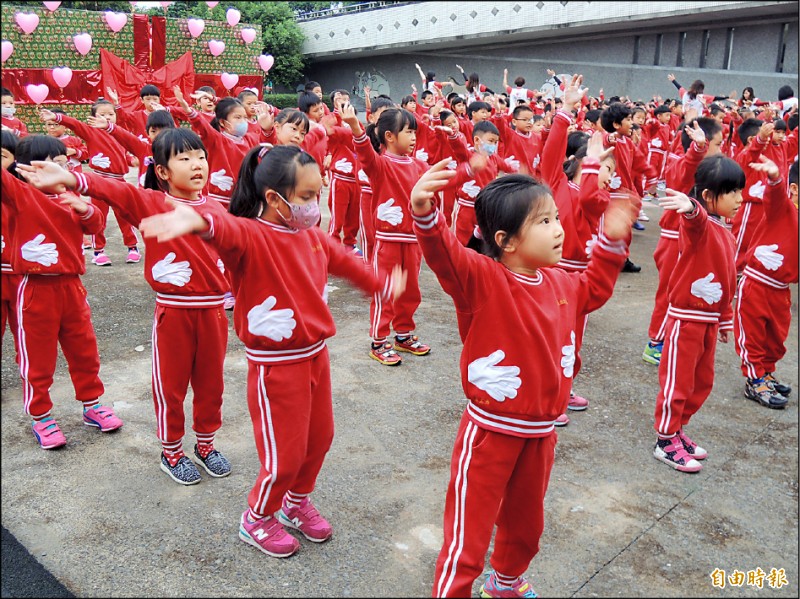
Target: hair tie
column 476, row 232
column 263, row 152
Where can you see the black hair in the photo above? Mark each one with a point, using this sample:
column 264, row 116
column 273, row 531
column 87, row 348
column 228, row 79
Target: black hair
column 485, row 127
column 311, row 85
column 244, row 93
column 577, row 144
column 615, row 113
column 635, row 127
column 715, row 109
column 519, row 81
column 391, row 120
column 785, row 92
column 748, row 129
column 718, row 175
column 150, row 90
column 430, row 76
column 4, row 91
column 593, row 115
column 504, row 205
column 332, row 95
column 709, row 126
column 697, row 87
column 9, row 141
column 637, row 109
column 208, row 89
column 38, row 147
column 520, row 109
column 425, row 94
column 406, row 99
column 445, row 114
column 167, row 144
column 793, row 121
column 159, row 119
column 558, row 101
column 223, row 109
column 381, row 102
column 457, row 100
column 451, row 97
column 307, row 100
column 752, row 93
column 780, row 125
column 293, row 117
column 612, row 100
column 793, row 173
column 100, row 103
column 537, row 118
column 662, row 109
column 476, row 106
column 472, row 82
column 384, row 96
column 57, row 111
column 277, row 170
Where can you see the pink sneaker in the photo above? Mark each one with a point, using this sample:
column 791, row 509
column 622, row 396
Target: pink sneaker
column 268, row 535
column 577, row 403
column 307, row 520
column 229, row 303
column 692, row 448
column 133, row 256
column 101, row 259
column 492, row 588
column 562, row 420
column 102, row 417
column 48, row 434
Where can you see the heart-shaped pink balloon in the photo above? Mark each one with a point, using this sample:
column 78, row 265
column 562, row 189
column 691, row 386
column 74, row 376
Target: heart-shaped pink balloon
column 212, row 4
column 248, row 35
column 116, row 20
column 62, row 76
column 265, row 61
column 165, row 4
column 83, row 43
column 233, row 16
column 51, row 6
column 229, row 80
column 37, row 93
column 196, row 27
column 216, row 47
column 8, row 49
column 27, row 21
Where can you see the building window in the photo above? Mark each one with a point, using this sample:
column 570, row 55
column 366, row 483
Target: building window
column 726, row 60
column 659, row 42
column 681, row 44
column 704, row 48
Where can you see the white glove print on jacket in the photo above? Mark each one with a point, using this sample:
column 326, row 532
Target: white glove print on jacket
column 500, row 382
column 34, row 250
column 707, row 290
column 220, row 180
column 172, row 273
column 767, row 255
column 389, row 213
column 277, row 325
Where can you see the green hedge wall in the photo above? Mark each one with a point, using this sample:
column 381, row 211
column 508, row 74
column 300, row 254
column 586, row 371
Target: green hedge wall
column 289, row 100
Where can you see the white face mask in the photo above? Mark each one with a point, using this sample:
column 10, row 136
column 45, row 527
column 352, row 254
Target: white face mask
column 9, row 110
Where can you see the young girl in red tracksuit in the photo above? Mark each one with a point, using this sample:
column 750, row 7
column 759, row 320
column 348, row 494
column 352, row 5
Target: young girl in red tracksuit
column 344, row 199
column 190, row 329
column 283, row 320
column 505, row 445
column 700, row 291
column 107, row 158
column 763, row 301
column 51, row 303
column 9, row 279
column 392, row 174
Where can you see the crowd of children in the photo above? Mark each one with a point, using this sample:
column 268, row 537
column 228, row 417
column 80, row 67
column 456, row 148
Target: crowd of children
column 534, row 197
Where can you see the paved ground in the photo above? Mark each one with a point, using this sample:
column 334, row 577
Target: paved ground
column 102, row 517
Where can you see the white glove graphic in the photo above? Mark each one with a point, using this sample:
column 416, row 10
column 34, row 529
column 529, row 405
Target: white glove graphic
column 422, row 155
column 221, row 265
column 615, row 181
column 568, row 356
column 536, row 161
column 656, row 143
column 500, row 382
column 344, row 165
column 757, row 190
column 178, row 273
column 45, row 254
column 389, row 213
column 708, row 291
column 3, row 242
column 141, row 179
column 767, row 255
column 512, row 162
column 452, row 165
column 362, row 176
column 221, row 180
column 590, row 245
column 100, row 160
column 277, row 325
column 470, row 189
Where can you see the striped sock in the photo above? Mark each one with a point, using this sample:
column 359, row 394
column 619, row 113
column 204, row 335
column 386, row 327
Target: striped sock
column 205, row 444
column 173, row 451
column 89, row 404
column 44, row 416
column 505, row 581
column 293, row 500
column 252, row 516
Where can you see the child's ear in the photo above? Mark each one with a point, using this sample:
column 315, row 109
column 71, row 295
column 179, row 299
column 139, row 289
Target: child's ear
column 162, row 172
column 503, row 242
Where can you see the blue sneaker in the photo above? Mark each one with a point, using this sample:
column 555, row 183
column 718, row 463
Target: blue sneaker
column 652, row 353
column 638, row 226
column 521, row 588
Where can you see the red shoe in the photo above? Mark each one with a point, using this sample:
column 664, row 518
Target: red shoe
column 412, row 345
column 577, row 403
column 48, row 434
column 385, row 354
column 307, row 520
column 562, row 420
column 268, row 535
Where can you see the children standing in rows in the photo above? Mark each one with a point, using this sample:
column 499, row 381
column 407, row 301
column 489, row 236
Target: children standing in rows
column 763, row 300
column 190, row 329
column 700, row 292
column 505, row 446
column 51, row 304
column 283, row 320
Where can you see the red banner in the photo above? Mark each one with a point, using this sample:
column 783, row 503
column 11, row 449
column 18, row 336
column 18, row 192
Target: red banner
column 158, row 48
column 141, row 41
column 84, row 88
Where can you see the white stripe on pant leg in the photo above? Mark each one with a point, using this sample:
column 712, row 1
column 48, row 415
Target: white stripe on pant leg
column 332, row 222
column 669, row 383
column 24, row 362
column 741, row 339
column 268, row 440
column 457, row 544
column 376, row 319
column 158, row 388
column 662, row 329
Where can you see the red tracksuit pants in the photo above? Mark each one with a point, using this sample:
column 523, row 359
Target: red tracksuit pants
column 344, row 202
column 744, row 226
column 292, row 413
column 189, row 347
column 53, row 310
column 666, row 257
column 686, row 373
column 495, row 479
column 367, row 233
column 465, row 223
column 761, row 326
column 448, row 205
column 9, row 304
column 398, row 314
column 128, row 231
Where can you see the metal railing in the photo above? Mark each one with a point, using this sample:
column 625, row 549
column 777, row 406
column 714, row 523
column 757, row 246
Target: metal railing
column 346, row 9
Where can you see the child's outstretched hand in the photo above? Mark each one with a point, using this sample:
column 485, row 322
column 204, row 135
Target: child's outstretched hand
column 76, row 203
column 677, row 201
column 47, row 115
column 619, row 217
column 766, row 131
column 423, row 193
column 594, row 149
column 696, row 134
column 399, row 278
column 348, row 113
column 98, row 122
column 413, row 88
column 181, row 100
column 47, row 176
column 112, row 95
column 169, row 225
column 573, row 92
column 766, row 166
column 478, row 162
